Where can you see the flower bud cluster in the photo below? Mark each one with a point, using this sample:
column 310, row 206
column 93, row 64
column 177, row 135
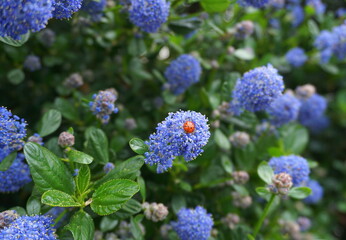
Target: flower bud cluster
column 231, row 220
column 155, row 211
column 66, row 139
column 281, row 184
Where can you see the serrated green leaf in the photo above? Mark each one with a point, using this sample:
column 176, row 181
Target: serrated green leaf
column 127, row 169
column 83, row 179
column 79, row 157
column 299, row 192
column 265, row 172
column 16, row 43
column 97, row 145
column 112, row 195
column 129, row 209
column 50, row 122
column 7, row 161
column 138, row 146
column 57, row 198
column 48, row 172
column 221, row 140
column 81, row 226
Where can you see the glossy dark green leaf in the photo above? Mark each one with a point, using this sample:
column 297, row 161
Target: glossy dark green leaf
column 79, row 157
column 265, row 172
column 83, row 179
column 299, row 192
column 57, row 198
column 66, row 108
column 50, row 122
column 47, row 170
column 127, row 169
column 138, row 146
column 81, row 226
column 112, row 195
column 7, row 161
column 33, row 205
column 97, row 145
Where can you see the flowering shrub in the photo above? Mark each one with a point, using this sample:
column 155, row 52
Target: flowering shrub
column 179, row 120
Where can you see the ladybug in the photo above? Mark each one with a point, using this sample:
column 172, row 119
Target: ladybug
column 189, row 127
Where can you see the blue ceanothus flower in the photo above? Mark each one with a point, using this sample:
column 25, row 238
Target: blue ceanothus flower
column 193, row 224
column 65, row 8
column 12, row 131
column 103, row 104
column 253, row 3
column 18, row 17
column 149, row 15
column 332, row 43
column 298, row 15
column 30, row 227
column 319, row 7
column 182, row 73
column 94, row 8
column 284, row 109
column 316, row 194
column 296, row 166
column 16, row 176
column 182, row 133
column 296, row 57
column 256, row 90
column 32, row 63
column 312, row 109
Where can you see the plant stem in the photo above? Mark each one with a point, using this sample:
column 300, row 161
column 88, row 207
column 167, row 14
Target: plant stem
column 61, row 215
column 264, row 214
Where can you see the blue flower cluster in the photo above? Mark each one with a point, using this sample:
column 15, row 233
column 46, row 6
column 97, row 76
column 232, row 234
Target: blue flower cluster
column 36, row 138
column 332, row 43
column 108, row 167
column 32, row 63
column 20, row 17
column 311, row 113
column 65, row 8
column 317, row 192
column 30, row 227
column 253, row 3
column 256, row 90
column 182, row 73
column 284, row 109
column 149, row 15
column 193, row 224
column 298, row 15
column 172, row 140
column 16, row 176
column 319, row 7
column 296, row 166
column 103, row 104
column 94, row 8
column 296, row 57
column 12, row 131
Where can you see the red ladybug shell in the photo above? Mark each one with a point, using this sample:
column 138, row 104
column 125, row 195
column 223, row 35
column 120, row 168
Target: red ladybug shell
column 189, row 127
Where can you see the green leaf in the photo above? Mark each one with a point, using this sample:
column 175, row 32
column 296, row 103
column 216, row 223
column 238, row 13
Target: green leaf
column 215, row 5
column 16, row 43
column 83, row 179
column 127, row 169
column 263, row 192
column 142, row 190
column 295, row 138
column 299, row 192
column 33, row 205
column 138, row 146
column 250, row 237
column 66, row 108
column 15, row 76
column 81, row 226
column 178, row 202
column 79, row 157
column 108, row 224
column 21, row 211
column 112, row 195
column 227, row 164
column 221, row 140
column 97, row 145
column 130, row 208
column 7, row 162
column 50, row 122
column 265, row 172
column 136, row 229
column 48, row 172
column 244, row 53
column 57, row 198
